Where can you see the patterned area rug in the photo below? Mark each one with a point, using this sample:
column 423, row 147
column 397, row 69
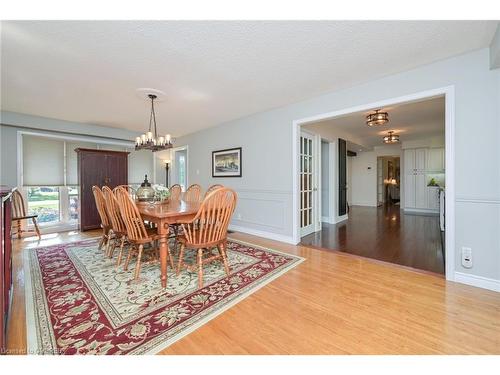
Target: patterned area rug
column 78, row 302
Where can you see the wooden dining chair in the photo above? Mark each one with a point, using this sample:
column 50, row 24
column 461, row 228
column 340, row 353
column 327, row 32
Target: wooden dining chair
column 193, row 193
column 118, row 230
column 212, row 188
column 137, row 234
column 19, row 214
column 208, row 229
column 105, row 222
column 175, row 192
column 132, row 191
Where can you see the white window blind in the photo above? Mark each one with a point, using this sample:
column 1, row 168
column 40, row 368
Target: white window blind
column 72, row 160
column 140, row 163
column 43, row 161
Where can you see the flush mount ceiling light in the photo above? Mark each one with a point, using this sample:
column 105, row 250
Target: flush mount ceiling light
column 391, row 138
column 377, row 118
column 150, row 141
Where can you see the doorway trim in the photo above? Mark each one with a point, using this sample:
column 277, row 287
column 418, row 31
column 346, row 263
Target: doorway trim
column 449, row 94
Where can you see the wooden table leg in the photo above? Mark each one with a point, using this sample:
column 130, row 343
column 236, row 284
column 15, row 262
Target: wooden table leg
column 163, row 253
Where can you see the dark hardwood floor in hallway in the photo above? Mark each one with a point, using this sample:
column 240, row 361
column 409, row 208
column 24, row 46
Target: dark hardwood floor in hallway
column 386, row 234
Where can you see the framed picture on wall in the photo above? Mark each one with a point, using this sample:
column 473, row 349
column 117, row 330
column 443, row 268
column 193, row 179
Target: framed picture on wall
column 226, row 163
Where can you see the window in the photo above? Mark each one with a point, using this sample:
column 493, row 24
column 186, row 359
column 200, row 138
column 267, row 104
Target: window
column 44, row 202
column 73, row 203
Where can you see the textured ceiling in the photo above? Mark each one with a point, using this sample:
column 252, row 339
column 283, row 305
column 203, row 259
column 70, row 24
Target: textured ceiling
column 211, row 72
column 412, row 121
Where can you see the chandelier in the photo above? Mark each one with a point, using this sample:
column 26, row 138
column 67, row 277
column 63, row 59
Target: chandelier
column 377, row 118
column 391, row 138
column 148, row 141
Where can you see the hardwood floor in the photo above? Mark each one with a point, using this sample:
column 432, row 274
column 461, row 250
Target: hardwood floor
column 385, row 234
column 330, row 304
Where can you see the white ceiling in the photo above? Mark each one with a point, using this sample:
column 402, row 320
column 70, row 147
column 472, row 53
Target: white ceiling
column 211, row 72
column 412, row 121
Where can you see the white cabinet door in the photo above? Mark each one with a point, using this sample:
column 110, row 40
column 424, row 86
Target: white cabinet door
column 436, row 159
column 409, row 190
column 421, row 160
column 433, row 198
column 421, row 200
column 409, row 161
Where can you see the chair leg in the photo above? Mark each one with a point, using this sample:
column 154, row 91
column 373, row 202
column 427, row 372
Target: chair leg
column 129, row 256
column 181, row 256
column 112, row 247
column 170, row 258
column 200, row 268
column 222, row 252
column 120, row 253
column 37, row 230
column 138, row 265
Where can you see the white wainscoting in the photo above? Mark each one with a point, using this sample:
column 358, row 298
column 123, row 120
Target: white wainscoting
column 264, row 213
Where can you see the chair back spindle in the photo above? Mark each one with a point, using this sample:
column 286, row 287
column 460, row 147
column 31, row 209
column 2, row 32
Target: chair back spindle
column 101, row 206
column 193, row 193
column 212, row 220
column 113, row 211
column 136, row 231
column 175, row 192
column 212, row 188
column 18, row 205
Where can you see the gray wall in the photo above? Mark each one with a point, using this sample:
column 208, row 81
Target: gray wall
column 265, row 190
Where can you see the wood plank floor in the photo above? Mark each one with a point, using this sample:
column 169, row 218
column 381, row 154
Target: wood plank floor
column 385, row 234
column 332, row 303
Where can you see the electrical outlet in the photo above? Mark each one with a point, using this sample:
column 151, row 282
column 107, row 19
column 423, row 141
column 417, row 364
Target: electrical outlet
column 467, row 257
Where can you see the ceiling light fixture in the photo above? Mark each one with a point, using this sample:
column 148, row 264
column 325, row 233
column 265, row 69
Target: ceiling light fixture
column 391, row 138
column 148, row 141
column 377, row 118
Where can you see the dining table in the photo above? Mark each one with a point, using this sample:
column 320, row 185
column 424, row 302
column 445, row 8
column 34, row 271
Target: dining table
column 164, row 214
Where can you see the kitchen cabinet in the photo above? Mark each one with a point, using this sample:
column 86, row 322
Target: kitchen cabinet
column 436, row 159
column 418, row 163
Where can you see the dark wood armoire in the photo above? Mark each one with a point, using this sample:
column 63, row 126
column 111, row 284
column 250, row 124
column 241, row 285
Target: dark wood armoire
column 98, row 167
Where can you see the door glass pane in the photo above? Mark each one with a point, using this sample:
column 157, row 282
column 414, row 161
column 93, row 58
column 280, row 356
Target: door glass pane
column 44, row 202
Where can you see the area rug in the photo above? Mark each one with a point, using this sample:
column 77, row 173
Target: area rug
column 78, row 302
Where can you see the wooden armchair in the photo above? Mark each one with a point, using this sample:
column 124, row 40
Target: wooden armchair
column 207, row 230
column 129, row 188
column 19, row 214
column 175, row 192
column 137, row 234
column 212, row 188
column 105, row 222
column 193, row 193
column 118, row 229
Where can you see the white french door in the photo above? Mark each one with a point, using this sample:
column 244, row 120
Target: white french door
column 380, row 182
column 308, row 181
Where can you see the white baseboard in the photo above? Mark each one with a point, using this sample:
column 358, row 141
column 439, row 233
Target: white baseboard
column 261, row 233
column 325, row 219
column 478, row 281
column 367, row 204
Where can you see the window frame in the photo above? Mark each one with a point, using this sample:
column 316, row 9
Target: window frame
column 64, row 223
